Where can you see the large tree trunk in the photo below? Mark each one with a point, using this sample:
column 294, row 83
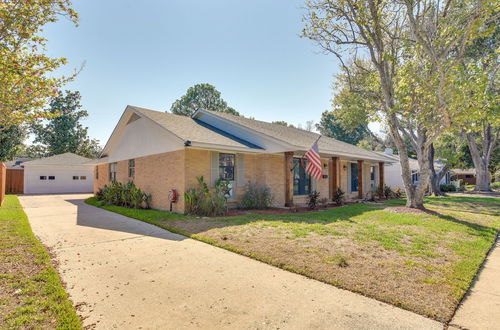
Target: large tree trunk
column 481, row 161
column 435, row 178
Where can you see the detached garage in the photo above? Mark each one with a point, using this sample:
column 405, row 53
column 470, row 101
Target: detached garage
column 64, row 173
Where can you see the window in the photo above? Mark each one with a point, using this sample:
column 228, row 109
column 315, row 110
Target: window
column 372, row 177
column 51, row 177
column 131, row 168
column 75, row 177
column 226, row 166
column 301, row 180
column 415, row 177
column 354, row 177
column 112, row 172
column 97, row 172
column 83, row 177
column 469, row 176
column 43, row 177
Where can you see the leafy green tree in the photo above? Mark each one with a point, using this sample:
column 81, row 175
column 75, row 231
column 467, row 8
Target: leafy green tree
column 408, row 47
column 64, row 132
column 27, row 79
column 201, row 96
column 330, row 126
column 11, row 142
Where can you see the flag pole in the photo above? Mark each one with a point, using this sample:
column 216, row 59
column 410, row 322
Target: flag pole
column 302, row 158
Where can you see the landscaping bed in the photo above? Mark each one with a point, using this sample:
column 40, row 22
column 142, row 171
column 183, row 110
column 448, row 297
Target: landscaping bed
column 31, row 294
column 423, row 262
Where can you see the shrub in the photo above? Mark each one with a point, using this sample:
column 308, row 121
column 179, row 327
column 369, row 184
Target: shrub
column 312, row 200
column 495, row 185
column 447, row 187
column 124, row 194
column 256, row 197
column 338, row 196
column 388, row 193
column 201, row 201
column 398, row 193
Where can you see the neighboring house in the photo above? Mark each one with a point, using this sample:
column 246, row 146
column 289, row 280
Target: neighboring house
column 162, row 151
column 64, row 173
column 393, row 171
column 468, row 175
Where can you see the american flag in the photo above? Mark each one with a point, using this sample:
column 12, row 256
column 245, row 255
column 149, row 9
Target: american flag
column 314, row 168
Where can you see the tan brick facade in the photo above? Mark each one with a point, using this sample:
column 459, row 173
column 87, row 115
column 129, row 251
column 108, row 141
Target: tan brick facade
column 157, row 174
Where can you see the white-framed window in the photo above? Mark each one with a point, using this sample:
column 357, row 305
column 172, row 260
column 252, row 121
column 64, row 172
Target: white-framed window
column 43, row 177
column 83, row 177
column 52, row 177
column 131, row 168
column 112, row 171
column 226, row 166
column 75, row 177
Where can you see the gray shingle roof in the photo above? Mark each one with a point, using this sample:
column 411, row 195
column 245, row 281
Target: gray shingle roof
column 61, row 159
column 189, row 129
column 301, row 138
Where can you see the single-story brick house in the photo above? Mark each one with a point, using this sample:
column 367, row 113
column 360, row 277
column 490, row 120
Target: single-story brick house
column 161, row 151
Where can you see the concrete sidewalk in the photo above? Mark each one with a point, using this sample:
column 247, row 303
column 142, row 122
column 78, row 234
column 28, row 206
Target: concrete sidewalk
column 127, row 274
column 481, row 308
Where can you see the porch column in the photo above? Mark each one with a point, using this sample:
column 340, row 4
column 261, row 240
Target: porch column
column 334, row 182
column 288, row 178
column 381, row 175
column 360, row 179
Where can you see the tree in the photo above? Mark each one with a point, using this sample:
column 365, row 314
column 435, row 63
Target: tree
column 282, row 123
column 64, row 132
column 330, row 126
column 405, row 47
column 201, row 96
column 11, row 142
column 27, row 79
column 478, row 81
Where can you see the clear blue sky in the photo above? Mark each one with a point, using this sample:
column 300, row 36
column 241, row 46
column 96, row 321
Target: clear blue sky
column 147, row 53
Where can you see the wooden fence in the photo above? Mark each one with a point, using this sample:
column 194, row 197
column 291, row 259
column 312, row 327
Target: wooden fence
column 14, row 183
column 3, row 175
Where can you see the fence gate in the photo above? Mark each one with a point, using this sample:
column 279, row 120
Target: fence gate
column 15, row 182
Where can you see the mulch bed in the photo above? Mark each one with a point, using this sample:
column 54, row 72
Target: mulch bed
column 287, row 210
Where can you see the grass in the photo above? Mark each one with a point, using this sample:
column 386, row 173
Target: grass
column 31, row 293
column 421, row 262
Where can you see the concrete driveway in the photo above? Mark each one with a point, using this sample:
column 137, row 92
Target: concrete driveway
column 126, row 274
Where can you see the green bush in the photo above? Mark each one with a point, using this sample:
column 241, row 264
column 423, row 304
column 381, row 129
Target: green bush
column 200, row 201
column 313, row 199
column 398, row 193
column 447, row 187
column 256, row 197
column 124, row 194
column 338, row 196
column 495, row 185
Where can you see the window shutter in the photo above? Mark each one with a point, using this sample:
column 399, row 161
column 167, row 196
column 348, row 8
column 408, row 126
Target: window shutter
column 240, row 170
column 214, row 168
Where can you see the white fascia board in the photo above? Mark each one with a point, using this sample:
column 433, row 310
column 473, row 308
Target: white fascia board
column 202, row 145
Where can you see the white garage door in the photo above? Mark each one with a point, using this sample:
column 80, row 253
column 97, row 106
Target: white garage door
column 57, row 179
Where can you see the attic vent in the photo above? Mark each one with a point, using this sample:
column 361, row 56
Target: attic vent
column 133, row 118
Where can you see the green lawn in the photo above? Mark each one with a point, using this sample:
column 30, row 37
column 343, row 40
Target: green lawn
column 31, row 293
column 422, row 262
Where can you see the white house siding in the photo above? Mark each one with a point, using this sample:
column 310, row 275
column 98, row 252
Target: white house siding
column 143, row 137
column 63, row 181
